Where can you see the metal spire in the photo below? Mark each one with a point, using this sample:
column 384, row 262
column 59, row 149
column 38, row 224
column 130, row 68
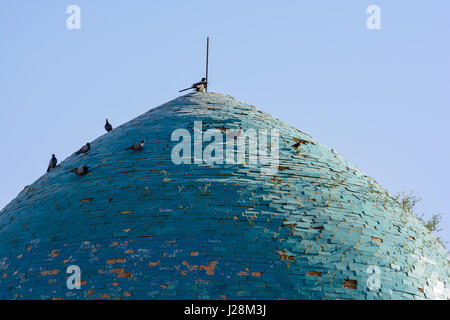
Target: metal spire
column 207, row 62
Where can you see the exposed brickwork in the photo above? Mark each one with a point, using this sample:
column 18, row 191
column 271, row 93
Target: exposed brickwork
column 141, row 227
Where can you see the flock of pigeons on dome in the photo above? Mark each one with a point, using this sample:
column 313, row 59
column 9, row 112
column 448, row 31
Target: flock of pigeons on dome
column 84, row 169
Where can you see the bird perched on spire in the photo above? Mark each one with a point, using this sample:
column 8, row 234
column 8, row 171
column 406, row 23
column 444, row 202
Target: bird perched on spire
column 80, row 171
column 199, row 86
column 52, row 164
column 84, row 149
column 108, row 126
column 137, row 146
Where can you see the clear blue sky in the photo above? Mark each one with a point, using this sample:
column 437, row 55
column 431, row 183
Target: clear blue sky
column 379, row 98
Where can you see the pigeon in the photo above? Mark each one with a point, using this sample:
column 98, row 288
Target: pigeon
column 52, row 164
column 108, row 126
column 81, row 171
column 234, row 133
column 137, row 146
column 84, row 149
column 199, row 86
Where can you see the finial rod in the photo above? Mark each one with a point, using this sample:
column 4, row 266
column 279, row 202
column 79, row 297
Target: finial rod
column 207, row 62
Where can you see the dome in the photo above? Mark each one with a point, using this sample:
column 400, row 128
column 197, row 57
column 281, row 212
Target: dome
column 158, row 224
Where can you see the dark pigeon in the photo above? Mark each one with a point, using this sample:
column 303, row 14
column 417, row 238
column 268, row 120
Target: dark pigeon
column 52, row 164
column 108, row 126
column 137, row 146
column 84, row 149
column 81, row 171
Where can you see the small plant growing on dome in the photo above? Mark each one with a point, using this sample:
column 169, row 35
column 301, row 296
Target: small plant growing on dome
column 408, row 203
column 204, row 190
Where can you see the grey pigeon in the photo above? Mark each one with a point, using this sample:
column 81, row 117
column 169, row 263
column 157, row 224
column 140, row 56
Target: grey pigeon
column 52, row 164
column 137, row 146
column 84, row 149
column 108, row 126
column 199, row 86
column 81, row 171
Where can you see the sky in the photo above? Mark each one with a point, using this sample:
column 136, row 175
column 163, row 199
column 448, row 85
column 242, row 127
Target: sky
column 380, row 98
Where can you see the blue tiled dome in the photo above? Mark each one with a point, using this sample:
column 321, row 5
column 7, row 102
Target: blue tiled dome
column 140, row 226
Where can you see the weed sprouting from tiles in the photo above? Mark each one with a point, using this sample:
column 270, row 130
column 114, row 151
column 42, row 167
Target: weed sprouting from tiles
column 205, row 189
column 408, row 203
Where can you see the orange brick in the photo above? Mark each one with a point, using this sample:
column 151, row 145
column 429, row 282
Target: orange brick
column 154, row 264
column 114, row 261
